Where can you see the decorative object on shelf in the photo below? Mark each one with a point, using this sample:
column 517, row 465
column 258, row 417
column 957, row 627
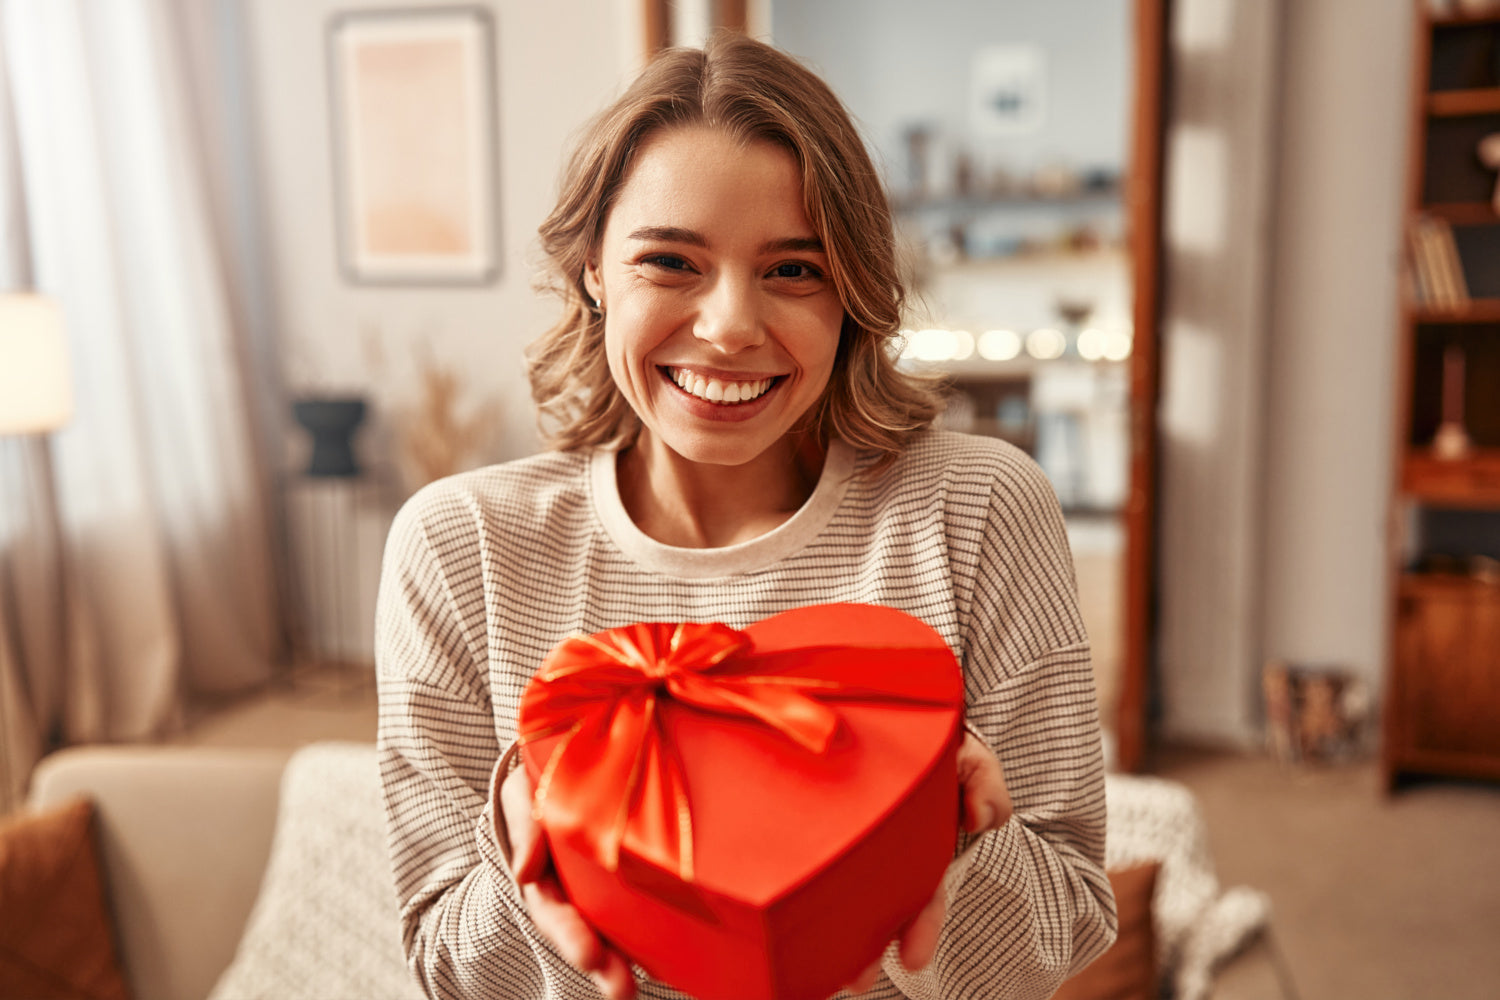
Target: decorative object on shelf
column 331, row 422
column 918, row 139
column 1074, row 310
column 414, row 144
column 1314, row 715
column 435, row 440
column 327, row 509
column 1276, row 690
column 1488, row 151
column 1056, row 181
column 1452, row 441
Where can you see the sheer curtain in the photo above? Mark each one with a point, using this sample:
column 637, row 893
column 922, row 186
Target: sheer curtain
column 158, row 490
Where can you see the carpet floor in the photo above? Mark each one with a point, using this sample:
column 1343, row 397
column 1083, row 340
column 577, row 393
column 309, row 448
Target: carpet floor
column 1374, row 897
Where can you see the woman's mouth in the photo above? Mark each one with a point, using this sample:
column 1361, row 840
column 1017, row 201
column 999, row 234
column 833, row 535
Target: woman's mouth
column 725, row 392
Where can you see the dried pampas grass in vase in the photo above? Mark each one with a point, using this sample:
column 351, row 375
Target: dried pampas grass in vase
column 435, row 441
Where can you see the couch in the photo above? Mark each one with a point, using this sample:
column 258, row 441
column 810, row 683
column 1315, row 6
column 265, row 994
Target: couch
column 237, row 874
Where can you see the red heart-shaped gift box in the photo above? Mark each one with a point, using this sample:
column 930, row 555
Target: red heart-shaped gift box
column 750, row 814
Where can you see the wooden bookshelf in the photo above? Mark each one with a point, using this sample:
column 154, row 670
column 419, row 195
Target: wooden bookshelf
column 1459, row 19
column 1456, row 103
column 1471, row 481
column 1464, row 213
column 1442, row 704
column 1474, row 311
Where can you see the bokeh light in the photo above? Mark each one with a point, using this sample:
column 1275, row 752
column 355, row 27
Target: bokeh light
column 999, row 345
column 1046, row 344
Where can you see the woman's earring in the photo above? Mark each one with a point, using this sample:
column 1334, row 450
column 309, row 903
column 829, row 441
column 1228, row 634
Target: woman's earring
column 599, row 306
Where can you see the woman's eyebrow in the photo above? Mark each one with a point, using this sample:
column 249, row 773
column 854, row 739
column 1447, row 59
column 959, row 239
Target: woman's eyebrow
column 669, row 234
column 691, row 237
column 794, row 244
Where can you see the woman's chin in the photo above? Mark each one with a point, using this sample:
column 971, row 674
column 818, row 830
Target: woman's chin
column 727, row 449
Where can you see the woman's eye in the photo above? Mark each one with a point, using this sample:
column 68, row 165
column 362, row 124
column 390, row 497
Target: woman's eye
column 670, row 262
column 794, row 270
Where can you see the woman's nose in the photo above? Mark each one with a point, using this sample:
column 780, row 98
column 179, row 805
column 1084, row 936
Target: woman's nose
column 729, row 316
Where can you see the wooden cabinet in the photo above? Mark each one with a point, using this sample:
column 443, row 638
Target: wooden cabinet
column 1446, row 688
column 1443, row 698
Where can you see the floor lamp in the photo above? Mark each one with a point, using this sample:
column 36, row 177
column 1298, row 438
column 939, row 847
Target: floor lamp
column 36, row 398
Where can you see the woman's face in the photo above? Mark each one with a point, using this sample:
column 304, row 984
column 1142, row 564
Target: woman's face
column 721, row 320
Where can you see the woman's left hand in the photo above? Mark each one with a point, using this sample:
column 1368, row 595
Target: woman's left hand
column 984, row 804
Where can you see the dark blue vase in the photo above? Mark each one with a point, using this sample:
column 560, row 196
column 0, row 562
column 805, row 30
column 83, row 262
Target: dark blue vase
column 332, row 423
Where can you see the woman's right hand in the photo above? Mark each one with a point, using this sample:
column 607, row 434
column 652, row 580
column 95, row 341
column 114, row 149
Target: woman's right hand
column 553, row 914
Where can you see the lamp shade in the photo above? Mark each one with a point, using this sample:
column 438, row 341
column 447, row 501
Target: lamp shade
column 36, row 391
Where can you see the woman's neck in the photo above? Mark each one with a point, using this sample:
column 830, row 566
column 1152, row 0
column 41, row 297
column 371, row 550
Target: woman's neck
column 697, row 506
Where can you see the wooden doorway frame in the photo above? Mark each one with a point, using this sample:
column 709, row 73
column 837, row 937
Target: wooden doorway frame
column 1143, row 211
column 657, row 20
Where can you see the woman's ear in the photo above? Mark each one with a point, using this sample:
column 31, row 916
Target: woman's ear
column 591, row 280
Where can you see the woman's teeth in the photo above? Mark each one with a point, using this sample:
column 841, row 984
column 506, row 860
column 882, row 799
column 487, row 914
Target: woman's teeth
column 718, row 390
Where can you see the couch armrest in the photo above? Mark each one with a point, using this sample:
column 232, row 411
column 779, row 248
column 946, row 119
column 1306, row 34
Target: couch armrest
column 184, row 837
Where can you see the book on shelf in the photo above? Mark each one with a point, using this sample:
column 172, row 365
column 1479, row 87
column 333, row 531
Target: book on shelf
column 1423, row 263
column 1451, row 265
column 1437, row 271
column 1419, row 271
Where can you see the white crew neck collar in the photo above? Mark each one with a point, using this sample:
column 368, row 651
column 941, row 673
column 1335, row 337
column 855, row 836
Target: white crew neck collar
column 745, row 557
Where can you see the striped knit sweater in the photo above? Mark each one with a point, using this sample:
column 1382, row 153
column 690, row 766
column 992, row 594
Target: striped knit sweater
column 484, row 572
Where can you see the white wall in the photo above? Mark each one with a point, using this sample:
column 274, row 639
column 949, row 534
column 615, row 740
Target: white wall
column 897, row 64
column 1283, row 230
column 1347, row 70
column 557, row 63
column 1217, row 205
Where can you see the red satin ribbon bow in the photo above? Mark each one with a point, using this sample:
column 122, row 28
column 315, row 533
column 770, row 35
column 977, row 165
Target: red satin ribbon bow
column 614, row 777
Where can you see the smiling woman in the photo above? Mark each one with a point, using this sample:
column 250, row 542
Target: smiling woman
column 752, row 98
column 733, row 440
column 719, row 336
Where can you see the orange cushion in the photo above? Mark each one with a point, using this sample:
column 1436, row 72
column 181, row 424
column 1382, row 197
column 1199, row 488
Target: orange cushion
column 1127, row 970
column 56, row 936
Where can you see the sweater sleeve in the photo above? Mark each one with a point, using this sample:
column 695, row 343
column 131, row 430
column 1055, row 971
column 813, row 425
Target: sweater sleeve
column 1028, row 904
column 464, row 928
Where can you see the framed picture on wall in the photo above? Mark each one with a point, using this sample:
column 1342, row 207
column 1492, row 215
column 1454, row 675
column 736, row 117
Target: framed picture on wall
column 1009, row 90
column 414, row 145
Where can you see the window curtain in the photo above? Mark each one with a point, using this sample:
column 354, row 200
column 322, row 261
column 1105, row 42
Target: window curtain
column 138, row 555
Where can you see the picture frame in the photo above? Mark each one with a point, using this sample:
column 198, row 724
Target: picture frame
column 1009, row 90
column 415, row 147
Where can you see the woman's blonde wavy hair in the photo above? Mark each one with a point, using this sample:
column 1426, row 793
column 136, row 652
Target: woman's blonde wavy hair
column 752, row 92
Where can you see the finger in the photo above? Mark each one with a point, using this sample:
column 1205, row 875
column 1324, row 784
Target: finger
column 614, row 977
column 529, row 854
column 561, row 923
column 986, row 803
column 536, row 860
column 919, row 943
column 978, row 814
column 866, row 979
column 984, row 808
